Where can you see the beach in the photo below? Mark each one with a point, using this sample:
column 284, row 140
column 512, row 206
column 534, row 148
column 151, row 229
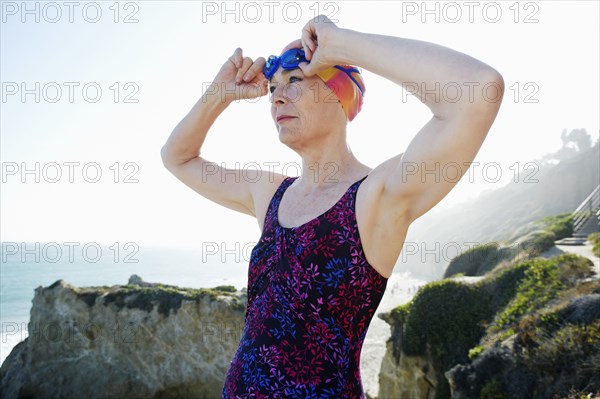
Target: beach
column 401, row 287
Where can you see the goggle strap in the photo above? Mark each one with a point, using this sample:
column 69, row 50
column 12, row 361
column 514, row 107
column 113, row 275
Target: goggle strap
column 347, row 71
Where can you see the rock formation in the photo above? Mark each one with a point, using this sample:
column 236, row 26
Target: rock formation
column 406, row 377
column 141, row 340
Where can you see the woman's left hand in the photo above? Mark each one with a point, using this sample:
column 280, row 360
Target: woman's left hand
column 316, row 41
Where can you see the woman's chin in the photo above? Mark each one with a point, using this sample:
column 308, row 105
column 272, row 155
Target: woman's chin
column 287, row 136
column 285, row 131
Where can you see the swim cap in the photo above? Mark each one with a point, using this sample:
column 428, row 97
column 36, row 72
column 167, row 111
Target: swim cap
column 344, row 80
column 348, row 85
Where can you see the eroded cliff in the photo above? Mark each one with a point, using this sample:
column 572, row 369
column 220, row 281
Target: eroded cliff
column 141, row 340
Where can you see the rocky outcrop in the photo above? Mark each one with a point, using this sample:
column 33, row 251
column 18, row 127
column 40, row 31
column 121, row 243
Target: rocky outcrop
column 523, row 367
column 406, row 377
column 141, row 340
column 402, row 376
column 528, row 330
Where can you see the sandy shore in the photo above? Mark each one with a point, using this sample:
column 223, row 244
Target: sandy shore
column 400, row 289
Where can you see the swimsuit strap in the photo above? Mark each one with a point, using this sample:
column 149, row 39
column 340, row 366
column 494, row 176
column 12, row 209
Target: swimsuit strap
column 270, row 218
column 354, row 189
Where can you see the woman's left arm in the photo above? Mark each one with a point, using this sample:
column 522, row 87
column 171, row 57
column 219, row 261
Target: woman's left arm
column 459, row 124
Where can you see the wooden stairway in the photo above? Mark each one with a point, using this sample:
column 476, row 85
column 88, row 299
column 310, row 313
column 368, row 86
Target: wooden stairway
column 586, row 220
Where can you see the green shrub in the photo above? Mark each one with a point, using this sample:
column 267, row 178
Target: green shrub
column 399, row 313
column 493, row 390
column 475, row 261
column 502, row 286
column 225, row 288
column 539, row 286
column 538, row 242
column 167, row 297
column 447, row 315
column 474, row 352
column 570, row 345
column 594, row 238
column 560, row 225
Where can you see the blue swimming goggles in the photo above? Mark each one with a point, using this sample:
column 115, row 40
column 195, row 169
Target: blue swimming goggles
column 288, row 61
column 292, row 58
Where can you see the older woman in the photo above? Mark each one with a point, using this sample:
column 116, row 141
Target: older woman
column 331, row 236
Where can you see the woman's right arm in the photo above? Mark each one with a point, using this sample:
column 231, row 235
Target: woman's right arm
column 181, row 153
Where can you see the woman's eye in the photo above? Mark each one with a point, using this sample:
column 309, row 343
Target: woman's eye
column 272, row 88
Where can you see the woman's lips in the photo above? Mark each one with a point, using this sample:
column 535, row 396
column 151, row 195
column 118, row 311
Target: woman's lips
column 284, row 118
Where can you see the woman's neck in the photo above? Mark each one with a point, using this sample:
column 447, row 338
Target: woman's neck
column 327, row 169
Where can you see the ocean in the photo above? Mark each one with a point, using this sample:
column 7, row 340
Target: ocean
column 22, row 269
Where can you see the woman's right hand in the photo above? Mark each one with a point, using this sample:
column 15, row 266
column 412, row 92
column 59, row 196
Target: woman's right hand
column 240, row 78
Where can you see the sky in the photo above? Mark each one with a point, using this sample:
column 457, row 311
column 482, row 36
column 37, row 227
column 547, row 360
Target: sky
column 91, row 94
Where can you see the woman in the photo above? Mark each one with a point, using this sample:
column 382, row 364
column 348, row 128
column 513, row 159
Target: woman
column 330, row 237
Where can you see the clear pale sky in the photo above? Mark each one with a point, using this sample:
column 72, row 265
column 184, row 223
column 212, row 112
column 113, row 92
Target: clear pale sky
column 158, row 65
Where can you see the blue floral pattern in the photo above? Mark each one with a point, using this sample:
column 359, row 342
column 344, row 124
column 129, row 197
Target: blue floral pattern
column 311, row 297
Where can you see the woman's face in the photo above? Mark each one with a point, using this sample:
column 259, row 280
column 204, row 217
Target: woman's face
column 314, row 110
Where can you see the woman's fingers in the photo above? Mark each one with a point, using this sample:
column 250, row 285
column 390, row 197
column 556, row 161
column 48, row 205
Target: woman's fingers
column 237, row 57
column 242, row 77
column 307, row 41
column 250, row 69
column 255, row 69
column 246, row 63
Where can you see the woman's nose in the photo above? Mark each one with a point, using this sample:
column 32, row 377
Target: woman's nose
column 285, row 93
column 277, row 95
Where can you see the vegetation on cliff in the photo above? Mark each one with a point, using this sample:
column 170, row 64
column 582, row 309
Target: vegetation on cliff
column 146, row 296
column 532, row 323
column 539, row 236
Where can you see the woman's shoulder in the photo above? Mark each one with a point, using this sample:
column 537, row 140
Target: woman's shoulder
column 263, row 189
column 267, row 182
